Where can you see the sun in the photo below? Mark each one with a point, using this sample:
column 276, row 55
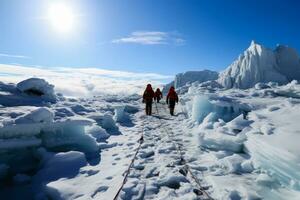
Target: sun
column 61, row 17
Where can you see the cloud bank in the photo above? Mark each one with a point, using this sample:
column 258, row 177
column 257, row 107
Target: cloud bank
column 151, row 38
column 13, row 56
column 84, row 82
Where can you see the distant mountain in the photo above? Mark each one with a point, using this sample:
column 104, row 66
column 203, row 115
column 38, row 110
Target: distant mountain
column 182, row 79
column 260, row 64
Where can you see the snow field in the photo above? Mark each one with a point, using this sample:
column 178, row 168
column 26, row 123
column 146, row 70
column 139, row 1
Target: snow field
column 40, row 145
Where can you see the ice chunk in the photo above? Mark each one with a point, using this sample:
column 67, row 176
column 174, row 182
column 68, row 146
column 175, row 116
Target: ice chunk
column 131, row 109
column 20, row 130
column 80, row 109
column 220, row 141
column 247, row 166
column 97, row 132
column 61, row 165
column 39, row 115
column 238, row 124
column 63, row 112
column 264, row 179
column 68, row 135
column 233, row 163
column 37, row 87
column 107, row 122
column 121, row 115
column 222, row 108
column 201, row 108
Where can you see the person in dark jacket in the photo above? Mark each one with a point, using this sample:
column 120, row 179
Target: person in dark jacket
column 148, row 99
column 158, row 95
column 172, row 99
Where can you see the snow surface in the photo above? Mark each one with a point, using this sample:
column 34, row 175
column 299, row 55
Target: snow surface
column 240, row 144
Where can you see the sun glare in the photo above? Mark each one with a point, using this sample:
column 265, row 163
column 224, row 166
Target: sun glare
column 61, row 17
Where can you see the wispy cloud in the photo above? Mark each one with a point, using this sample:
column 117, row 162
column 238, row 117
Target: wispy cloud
column 13, row 56
column 85, row 81
column 151, row 38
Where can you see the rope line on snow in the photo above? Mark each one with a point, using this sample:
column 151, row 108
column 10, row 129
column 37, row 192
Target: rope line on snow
column 178, row 149
column 141, row 141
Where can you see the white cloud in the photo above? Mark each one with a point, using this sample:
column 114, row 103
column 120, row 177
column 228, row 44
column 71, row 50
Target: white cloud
column 151, row 38
column 13, row 56
column 85, row 81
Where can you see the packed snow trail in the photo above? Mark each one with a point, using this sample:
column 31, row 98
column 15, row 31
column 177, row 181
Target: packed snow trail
column 141, row 140
column 160, row 170
column 187, row 169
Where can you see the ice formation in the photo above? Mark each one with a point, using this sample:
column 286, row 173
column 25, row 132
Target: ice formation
column 33, row 91
column 255, row 137
column 192, row 76
column 37, row 87
column 189, row 77
column 260, row 64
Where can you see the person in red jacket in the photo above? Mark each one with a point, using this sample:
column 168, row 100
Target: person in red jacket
column 148, row 99
column 172, row 99
column 158, row 95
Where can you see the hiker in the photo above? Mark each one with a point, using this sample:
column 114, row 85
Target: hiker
column 148, row 98
column 172, row 98
column 158, row 95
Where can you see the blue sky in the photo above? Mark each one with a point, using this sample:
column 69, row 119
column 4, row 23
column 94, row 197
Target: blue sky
column 161, row 36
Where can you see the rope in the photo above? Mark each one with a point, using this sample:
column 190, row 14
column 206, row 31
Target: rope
column 141, row 140
column 178, row 149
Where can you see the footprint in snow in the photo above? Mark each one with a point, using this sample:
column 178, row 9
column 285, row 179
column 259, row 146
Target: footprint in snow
column 129, row 155
column 130, row 144
column 100, row 189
